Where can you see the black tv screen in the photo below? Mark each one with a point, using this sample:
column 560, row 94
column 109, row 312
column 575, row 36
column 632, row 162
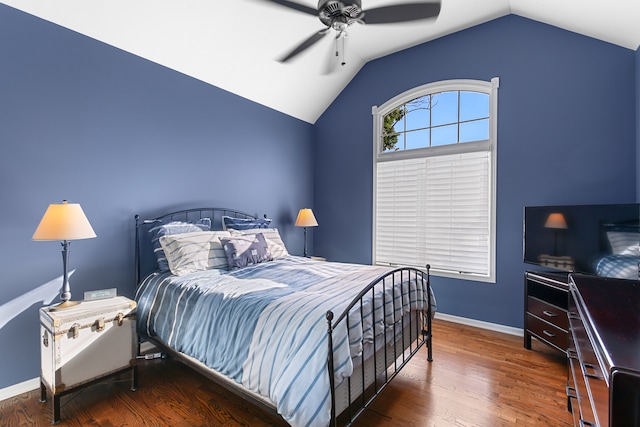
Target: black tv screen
column 602, row 240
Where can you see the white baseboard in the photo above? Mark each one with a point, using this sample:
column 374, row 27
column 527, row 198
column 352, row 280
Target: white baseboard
column 16, row 389
column 480, row 324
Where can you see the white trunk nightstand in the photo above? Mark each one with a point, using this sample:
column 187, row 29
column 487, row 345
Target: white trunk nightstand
column 85, row 343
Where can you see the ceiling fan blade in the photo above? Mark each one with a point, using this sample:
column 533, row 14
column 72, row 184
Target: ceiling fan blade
column 401, row 13
column 304, row 45
column 296, row 6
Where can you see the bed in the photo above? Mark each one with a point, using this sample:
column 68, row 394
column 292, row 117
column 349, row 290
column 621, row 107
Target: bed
column 312, row 341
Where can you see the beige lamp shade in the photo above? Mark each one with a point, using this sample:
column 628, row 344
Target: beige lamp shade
column 64, row 221
column 556, row 220
column 306, row 218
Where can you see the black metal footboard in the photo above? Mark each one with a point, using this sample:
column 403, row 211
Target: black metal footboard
column 393, row 348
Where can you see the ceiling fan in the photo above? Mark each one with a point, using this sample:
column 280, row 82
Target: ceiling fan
column 340, row 14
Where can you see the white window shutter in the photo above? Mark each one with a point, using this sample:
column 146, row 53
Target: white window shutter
column 400, row 212
column 457, row 205
column 434, row 211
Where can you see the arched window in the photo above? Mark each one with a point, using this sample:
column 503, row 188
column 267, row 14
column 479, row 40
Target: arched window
column 434, row 179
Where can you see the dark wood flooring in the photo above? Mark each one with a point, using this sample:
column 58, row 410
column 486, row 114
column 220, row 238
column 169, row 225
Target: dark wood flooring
column 478, row 378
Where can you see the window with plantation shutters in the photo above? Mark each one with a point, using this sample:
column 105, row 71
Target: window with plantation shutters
column 434, row 179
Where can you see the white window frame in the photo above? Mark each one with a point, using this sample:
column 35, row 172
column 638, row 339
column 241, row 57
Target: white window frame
column 490, row 145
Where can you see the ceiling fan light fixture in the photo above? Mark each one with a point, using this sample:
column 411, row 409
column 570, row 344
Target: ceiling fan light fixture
column 340, row 24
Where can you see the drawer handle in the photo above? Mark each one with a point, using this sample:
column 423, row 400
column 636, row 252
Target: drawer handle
column 549, row 334
column 100, row 324
column 571, row 392
column 119, row 318
column 572, row 353
column 45, row 339
column 584, row 423
column 594, row 371
column 549, row 313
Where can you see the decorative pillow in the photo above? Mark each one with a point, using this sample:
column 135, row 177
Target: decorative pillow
column 174, row 227
column 190, row 252
column 274, row 241
column 624, row 243
column 244, row 223
column 245, row 250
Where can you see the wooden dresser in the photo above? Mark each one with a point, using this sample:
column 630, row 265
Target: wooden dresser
column 604, row 351
column 546, row 296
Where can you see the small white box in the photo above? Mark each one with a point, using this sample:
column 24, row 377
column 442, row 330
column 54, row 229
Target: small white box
column 84, row 343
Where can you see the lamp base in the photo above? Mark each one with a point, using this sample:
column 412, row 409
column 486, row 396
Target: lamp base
column 64, row 305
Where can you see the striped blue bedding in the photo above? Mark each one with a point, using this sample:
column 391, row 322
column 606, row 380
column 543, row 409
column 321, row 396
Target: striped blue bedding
column 264, row 326
column 621, row 266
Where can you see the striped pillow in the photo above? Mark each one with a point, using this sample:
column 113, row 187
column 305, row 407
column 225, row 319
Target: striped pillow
column 274, row 241
column 174, row 227
column 190, row 252
column 230, row 223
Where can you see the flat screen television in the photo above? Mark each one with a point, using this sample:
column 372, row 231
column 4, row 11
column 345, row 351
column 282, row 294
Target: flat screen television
column 602, row 240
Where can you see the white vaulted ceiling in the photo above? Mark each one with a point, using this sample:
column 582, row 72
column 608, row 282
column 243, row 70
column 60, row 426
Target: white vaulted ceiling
column 234, row 44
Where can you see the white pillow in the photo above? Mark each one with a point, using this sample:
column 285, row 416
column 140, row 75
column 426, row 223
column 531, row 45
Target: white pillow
column 274, row 241
column 190, row 252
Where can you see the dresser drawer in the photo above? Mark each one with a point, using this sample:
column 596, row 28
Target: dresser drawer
column 548, row 332
column 580, row 405
column 589, row 367
column 548, row 312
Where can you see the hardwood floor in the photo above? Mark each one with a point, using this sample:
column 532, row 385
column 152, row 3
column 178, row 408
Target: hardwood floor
column 478, row 378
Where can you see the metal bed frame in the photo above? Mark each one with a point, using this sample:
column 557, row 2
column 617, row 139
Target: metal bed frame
column 390, row 353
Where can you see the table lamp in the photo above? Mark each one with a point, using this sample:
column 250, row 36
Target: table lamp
column 306, row 219
column 64, row 221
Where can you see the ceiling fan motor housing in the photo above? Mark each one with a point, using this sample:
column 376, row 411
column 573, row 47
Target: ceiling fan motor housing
column 344, row 11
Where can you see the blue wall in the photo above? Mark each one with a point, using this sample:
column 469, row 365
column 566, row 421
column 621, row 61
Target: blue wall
column 83, row 121
column 566, row 135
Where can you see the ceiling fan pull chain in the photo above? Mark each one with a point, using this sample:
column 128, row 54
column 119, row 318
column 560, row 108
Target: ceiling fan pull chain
column 343, row 51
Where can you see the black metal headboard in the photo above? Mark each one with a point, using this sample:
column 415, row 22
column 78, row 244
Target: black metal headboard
column 145, row 259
